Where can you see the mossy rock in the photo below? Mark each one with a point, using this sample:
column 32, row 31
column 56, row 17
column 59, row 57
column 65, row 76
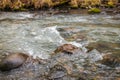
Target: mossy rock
column 94, row 10
column 110, row 5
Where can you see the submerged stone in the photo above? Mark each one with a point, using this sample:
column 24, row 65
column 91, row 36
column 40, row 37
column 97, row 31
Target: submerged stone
column 94, row 55
column 111, row 60
column 103, row 46
column 13, row 61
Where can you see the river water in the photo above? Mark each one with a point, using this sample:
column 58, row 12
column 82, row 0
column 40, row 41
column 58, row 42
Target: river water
column 40, row 34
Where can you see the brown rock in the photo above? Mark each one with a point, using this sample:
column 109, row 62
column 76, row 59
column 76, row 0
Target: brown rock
column 102, row 46
column 66, row 48
column 12, row 61
column 111, row 60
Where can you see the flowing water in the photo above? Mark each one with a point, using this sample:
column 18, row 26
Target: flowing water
column 39, row 35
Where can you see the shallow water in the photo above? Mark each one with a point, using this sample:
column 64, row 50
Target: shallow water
column 40, row 34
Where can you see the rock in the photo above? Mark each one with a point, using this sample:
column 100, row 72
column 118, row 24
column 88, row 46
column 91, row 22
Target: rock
column 57, row 72
column 66, row 48
column 94, row 10
column 12, row 61
column 111, row 60
column 94, row 55
column 103, row 46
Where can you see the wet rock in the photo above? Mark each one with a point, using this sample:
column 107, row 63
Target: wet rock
column 109, row 11
column 102, row 46
column 65, row 66
column 71, row 33
column 66, row 48
column 12, row 61
column 111, row 60
column 94, row 55
column 94, row 10
column 57, row 72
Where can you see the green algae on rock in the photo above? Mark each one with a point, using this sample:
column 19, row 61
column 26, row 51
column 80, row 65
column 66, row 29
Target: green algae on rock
column 94, row 10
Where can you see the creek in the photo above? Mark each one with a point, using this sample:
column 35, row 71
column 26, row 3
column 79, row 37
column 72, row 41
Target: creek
column 39, row 35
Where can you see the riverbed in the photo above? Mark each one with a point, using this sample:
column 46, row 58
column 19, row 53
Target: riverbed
column 39, row 34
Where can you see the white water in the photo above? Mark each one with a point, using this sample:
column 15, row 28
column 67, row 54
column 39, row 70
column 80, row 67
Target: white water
column 36, row 41
column 38, row 36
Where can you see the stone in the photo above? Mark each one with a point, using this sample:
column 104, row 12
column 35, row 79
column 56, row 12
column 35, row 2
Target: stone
column 94, row 10
column 95, row 55
column 111, row 60
column 102, row 46
column 67, row 48
column 13, row 61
